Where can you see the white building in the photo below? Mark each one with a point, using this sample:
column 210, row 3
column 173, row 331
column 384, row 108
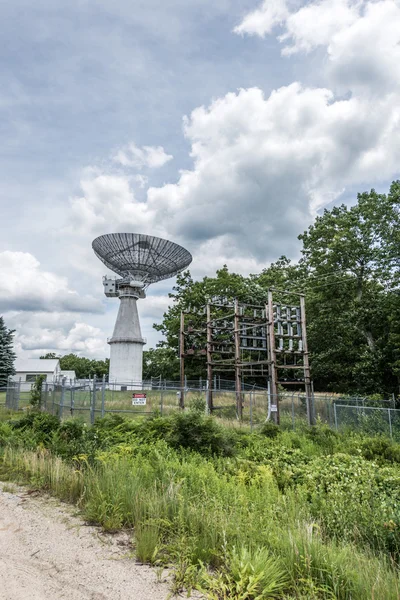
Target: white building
column 27, row 369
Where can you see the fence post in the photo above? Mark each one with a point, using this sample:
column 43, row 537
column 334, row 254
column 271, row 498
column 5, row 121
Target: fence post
column 72, row 399
column 293, row 420
column 93, row 400
column 251, row 410
column 8, row 392
column 390, row 424
column 46, row 391
column 161, row 400
column 312, row 403
column 61, row 407
column 18, row 395
column 103, row 395
column 334, row 411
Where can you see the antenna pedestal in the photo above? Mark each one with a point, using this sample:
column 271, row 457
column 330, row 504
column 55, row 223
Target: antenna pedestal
column 126, row 352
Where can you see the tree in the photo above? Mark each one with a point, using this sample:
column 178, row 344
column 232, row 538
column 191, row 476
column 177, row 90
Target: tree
column 161, row 362
column 83, row 367
column 351, row 255
column 7, row 354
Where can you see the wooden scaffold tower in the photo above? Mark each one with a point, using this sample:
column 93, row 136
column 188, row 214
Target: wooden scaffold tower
column 255, row 342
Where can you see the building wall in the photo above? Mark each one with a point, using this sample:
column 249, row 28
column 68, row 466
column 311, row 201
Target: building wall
column 26, row 386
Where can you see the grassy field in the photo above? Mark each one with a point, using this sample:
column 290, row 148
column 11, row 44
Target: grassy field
column 275, row 514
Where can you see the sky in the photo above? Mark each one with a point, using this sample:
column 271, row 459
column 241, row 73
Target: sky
column 223, row 126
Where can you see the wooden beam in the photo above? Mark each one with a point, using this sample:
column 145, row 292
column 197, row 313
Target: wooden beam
column 238, row 379
column 209, row 361
column 307, row 376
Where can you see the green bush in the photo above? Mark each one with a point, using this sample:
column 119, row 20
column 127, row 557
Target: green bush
column 71, row 439
column 36, row 392
column 194, row 431
column 246, row 574
column 270, row 430
column 41, row 425
column 380, row 449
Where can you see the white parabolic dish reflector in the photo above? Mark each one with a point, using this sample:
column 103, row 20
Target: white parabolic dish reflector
column 141, row 257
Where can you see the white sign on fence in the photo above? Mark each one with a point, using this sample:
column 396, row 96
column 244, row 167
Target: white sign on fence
column 138, row 399
column 274, row 408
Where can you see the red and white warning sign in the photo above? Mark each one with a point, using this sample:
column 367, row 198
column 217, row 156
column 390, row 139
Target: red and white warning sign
column 138, row 399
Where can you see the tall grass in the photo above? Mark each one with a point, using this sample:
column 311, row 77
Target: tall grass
column 184, row 509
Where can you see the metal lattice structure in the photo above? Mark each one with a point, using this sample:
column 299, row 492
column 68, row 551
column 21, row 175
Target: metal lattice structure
column 143, row 257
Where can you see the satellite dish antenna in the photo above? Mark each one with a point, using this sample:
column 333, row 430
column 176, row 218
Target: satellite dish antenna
column 139, row 260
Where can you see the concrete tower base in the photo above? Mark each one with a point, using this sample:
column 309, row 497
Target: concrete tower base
column 126, row 352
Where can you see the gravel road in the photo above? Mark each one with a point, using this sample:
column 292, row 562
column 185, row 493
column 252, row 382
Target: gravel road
column 47, row 553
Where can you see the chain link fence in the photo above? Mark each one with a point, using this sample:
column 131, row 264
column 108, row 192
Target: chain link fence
column 10, row 396
column 91, row 399
column 370, row 420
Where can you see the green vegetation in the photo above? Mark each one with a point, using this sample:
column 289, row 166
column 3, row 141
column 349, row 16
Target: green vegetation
column 36, row 391
column 274, row 514
column 83, row 367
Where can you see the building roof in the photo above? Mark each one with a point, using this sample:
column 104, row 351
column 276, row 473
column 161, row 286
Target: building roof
column 36, row 365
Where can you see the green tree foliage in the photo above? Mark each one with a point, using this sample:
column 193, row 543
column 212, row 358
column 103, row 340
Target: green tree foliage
column 351, row 255
column 7, row 354
column 161, row 362
column 83, row 367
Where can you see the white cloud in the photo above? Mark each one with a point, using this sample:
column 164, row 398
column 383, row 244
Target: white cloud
column 264, row 19
column 141, row 180
column 316, row 23
column 361, row 37
column 262, row 166
column 107, row 203
column 25, row 286
column 38, row 333
column 152, row 157
column 365, row 56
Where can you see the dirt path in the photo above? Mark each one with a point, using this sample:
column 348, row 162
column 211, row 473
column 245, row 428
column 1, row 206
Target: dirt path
column 47, row 553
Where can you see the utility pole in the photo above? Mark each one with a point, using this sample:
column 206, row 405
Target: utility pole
column 238, row 379
column 306, row 362
column 182, row 360
column 272, row 357
column 209, row 361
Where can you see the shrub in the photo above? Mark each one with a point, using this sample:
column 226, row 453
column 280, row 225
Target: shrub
column 270, row 430
column 71, row 439
column 36, row 392
column 246, row 574
column 195, row 431
column 42, row 426
column 381, row 449
column 6, row 434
